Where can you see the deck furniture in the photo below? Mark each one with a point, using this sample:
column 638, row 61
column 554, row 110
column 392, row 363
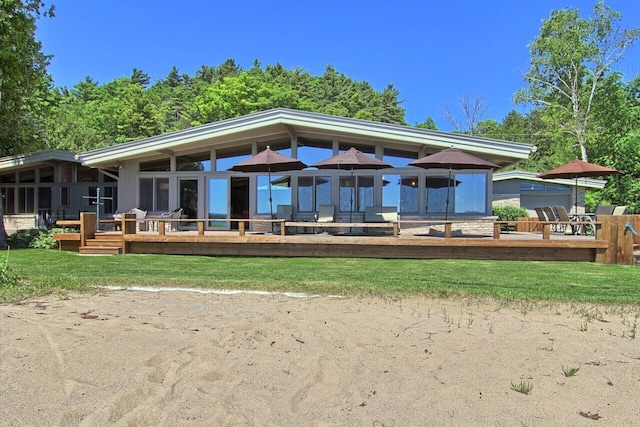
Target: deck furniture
column 551, row 215
column 604, row 210
column 283, row 212
column 380, row 214
column 619, row 210
column 326, row 214
column 563, row 216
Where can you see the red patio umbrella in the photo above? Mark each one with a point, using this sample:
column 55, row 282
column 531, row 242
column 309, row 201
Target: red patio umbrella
column 578, row 169
column 453, row 159
column 351, row 159
column 268, row 161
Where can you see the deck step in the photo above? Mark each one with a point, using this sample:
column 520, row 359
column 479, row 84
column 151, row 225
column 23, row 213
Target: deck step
column 100, row 250
column 104, row 242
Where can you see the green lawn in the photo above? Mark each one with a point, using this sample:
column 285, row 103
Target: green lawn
column 44, row 270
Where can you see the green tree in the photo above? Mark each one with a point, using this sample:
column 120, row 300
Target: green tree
column 569, row 59
column 24, row 81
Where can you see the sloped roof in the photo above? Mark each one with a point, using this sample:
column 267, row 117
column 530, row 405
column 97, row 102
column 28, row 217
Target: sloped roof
column 533, row 176
column 283, row 123
column 36, row 157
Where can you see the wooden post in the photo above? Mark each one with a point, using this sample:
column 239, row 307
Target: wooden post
column 200, row 228
column 546, row 231
column 395, row 229
column 496, row 230
column 241, row 228
column 128, row 223
column 161, row 229
column 283, row 229
column 88, row 227
column 447, row 230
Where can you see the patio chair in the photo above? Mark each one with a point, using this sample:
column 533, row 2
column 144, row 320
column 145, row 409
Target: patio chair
column 604, row 210
column 140, row 218
column 551, row 215
column 326, row 213
column 282, row 212
column 541, row 217
column 173, row 215
column 563, row 216
column 619, row 210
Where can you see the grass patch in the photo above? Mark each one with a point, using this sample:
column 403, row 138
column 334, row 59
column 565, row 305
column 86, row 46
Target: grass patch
column 522, row 387
column 570, row 372
column 43, row 270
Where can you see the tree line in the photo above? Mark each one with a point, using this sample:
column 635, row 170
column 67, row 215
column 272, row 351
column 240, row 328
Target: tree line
column 578, row 106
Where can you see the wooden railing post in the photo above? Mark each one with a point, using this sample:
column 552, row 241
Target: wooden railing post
column 128, row 226
column 88, row 227
column 241, row 228
column 447, row 230
column 497, row 228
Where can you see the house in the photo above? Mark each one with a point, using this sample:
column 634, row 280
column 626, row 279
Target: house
column 524, row 189
column 188, row 169
column 40, row 187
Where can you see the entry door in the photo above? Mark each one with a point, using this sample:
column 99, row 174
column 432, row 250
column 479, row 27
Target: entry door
column 218, row 203
column 188, row 200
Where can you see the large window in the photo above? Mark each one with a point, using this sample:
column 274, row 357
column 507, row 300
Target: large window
column 154, row 194
column 471, row 193
column 356, row 193
column 279, row 189
column 8, row 200
column 194, row 162
column 401, row 191
column 398, row 158
column 162, row 165
column 313, row 191
column 26, row 200
column 310, row 153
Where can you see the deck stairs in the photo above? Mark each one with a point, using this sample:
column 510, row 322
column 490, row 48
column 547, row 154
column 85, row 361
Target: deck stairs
column 103, row 244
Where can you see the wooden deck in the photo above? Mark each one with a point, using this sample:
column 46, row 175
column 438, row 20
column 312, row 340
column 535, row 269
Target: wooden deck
column 613, row 243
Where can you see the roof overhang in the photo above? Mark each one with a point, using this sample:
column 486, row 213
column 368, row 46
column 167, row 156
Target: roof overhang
column 533, row 176
column 27, row 159
column 283, row 124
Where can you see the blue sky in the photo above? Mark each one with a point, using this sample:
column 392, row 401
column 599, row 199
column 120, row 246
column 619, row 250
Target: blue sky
column 434, row 52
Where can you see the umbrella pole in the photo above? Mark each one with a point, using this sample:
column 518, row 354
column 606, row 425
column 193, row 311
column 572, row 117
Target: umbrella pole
column 270, row 201
column 576, row 190
column 446, row 203
column 351, row 200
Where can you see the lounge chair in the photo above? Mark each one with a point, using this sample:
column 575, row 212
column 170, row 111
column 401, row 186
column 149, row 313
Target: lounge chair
column 381, row 214
column 619, row 210
column 551, row 215
column 563, row 216
column 541, row 217
column 604, row 210
column 326, row 213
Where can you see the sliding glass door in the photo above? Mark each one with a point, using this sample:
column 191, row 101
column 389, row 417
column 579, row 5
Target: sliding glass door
column 218, row 203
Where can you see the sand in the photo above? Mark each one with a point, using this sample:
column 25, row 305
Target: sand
column 131, row 358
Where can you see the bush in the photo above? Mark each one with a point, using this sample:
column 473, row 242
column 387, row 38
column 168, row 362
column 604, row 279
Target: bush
column 22, row 239
column 37, row 239
column 44, row 239
column 509, row 213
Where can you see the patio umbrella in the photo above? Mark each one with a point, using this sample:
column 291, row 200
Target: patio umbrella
column 351, row 160
column 578, row 169
column 268, row 161
column 453, row 159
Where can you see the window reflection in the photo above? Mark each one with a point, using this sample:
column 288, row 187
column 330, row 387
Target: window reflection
column 401, row 191
column 313, row 154
column 280, row 189
column 471, row 193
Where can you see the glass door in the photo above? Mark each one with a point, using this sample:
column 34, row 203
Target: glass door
column 218, row 203
column 188, row 201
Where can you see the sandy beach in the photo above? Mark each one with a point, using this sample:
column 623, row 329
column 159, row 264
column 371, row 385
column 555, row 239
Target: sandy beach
column 180, row 358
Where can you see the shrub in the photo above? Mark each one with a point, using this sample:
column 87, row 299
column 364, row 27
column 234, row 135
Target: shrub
column 44, row 239
column 22, row 239
column 509, row 213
